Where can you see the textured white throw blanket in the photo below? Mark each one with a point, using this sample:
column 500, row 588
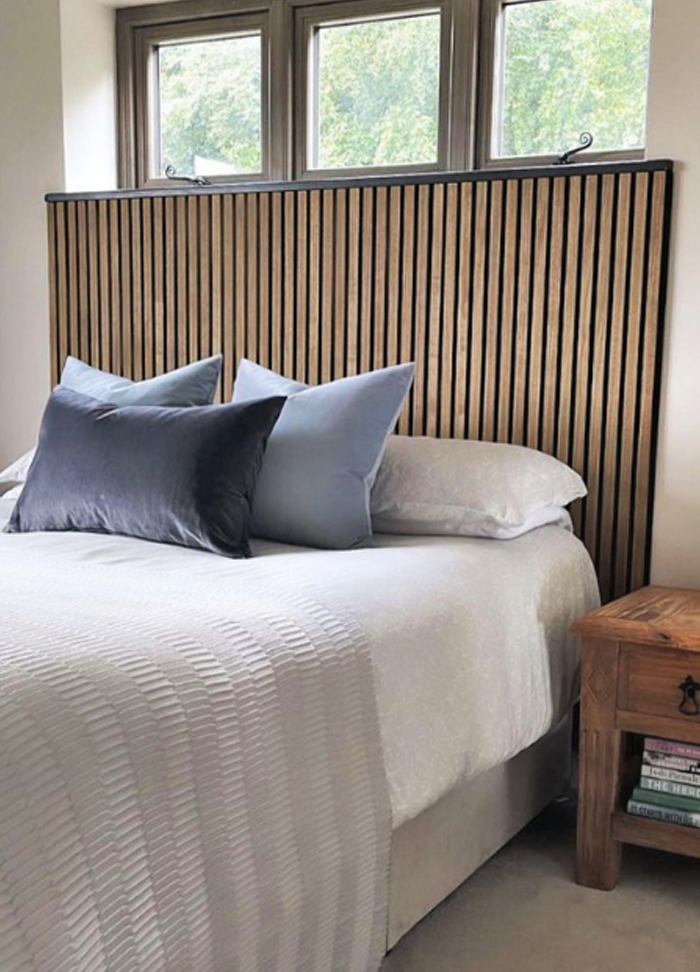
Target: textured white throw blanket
column 191, row 777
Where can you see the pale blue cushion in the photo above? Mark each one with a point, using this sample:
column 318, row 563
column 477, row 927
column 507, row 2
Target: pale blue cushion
column 194, row 384
column 323, row 454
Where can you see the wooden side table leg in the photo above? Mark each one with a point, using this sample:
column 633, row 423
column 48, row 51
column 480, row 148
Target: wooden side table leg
column 598, row 854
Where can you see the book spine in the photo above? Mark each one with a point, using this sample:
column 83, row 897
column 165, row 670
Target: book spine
column 666, row 814
column 666, row 800
column 671, row 787
column 673, row 775
column 672, row 748
column 671, row 762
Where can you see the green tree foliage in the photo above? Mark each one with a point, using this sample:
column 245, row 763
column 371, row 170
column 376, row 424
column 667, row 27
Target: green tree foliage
column 378, row 92
column 572, row 66
column 210, row 103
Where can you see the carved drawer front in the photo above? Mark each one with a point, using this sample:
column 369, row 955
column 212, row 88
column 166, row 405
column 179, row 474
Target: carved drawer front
column 663, row 683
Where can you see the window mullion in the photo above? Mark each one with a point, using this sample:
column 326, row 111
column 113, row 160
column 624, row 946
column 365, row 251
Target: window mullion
column 462, row 54
column 281, row 91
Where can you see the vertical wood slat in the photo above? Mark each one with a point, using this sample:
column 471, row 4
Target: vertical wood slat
column 464, row 301
column 158, row 344
column 353, row 283
column 138, row 280
column 276, row 271
column 182, row 277
column 92, row 324
column 601, row 336
column 104, row 265
column 339, row 320
column 492, row 314
column 614, row 378
column 522, row 323
column 53, row 246
column 328, row 240
column 365, row 281
column 508, row 310
column 290, row 246
column 147, row 257
column 202, row 340
column 263, row 282
column 252, row 328
column 553, row 323
column 407, row 330
column 82, row 284
column 393, row 276
column 649, row 383
column 313, row 314
column 532, row 306
column 633, row 351
column 434, row 321
column 476, row 345
column 447, row 380
column 571, row 274
column 228, row 313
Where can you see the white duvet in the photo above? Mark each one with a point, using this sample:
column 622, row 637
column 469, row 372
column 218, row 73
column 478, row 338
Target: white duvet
column 191, row 775
column 469, row 638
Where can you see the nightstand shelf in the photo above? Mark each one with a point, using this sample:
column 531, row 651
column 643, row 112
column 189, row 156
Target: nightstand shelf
column 628, row 829
column 636, row 652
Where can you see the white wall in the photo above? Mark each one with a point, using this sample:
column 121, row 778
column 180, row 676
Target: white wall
column 89, row 104
column 31, row 163
column 674, row 132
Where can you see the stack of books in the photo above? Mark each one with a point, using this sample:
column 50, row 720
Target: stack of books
column 669, row 787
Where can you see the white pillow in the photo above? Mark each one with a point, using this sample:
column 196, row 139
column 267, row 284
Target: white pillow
column 17, row 471
column 460, row 487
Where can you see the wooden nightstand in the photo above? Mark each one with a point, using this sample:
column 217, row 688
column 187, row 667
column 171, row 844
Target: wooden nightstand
column 636, row 652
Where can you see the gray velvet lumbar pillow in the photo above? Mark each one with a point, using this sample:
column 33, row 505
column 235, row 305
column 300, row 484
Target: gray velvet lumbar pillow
column 193, row 384
column 323, row 455
column 174, row 475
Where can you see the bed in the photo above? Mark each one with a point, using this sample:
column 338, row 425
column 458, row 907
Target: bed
column 471, row 657
column 437, row 673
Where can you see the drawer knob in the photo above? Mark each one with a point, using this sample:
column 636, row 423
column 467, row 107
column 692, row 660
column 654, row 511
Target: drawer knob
column 690, row 688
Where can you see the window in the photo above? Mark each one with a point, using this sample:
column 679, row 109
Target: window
column 199, row 91
column 209, row 106
column 250, row 90
column 374, row 93
column 374, row 82
column 568, row 66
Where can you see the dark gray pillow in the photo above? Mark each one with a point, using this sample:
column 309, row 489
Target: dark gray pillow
column 174, row 475
column 193, row 384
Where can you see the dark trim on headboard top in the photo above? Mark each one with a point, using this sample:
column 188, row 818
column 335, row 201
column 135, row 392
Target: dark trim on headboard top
column 431, row 178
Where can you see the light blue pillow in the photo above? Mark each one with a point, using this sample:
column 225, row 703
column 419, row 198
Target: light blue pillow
column 323, row 454
column 194, row 384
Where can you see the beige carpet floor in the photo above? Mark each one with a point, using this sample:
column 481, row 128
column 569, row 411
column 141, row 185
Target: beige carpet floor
column 522, row 912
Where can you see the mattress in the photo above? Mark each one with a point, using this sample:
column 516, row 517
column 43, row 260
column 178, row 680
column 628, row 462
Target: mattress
column 468, row 637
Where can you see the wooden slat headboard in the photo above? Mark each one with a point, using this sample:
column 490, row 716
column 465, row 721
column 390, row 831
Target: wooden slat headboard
column 531, row 301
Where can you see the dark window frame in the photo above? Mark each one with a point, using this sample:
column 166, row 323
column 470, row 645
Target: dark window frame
column 468, row 83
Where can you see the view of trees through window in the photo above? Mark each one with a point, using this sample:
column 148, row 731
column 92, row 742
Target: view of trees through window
column 566, row 66
column 571, row 66
column 210, row 106
column 378, row 93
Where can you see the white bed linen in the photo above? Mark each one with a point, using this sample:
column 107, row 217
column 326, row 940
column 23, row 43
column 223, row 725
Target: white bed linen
column 469, row 637
column 191, row 776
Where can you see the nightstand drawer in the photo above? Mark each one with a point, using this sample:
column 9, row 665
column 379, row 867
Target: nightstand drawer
column 650, row 681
